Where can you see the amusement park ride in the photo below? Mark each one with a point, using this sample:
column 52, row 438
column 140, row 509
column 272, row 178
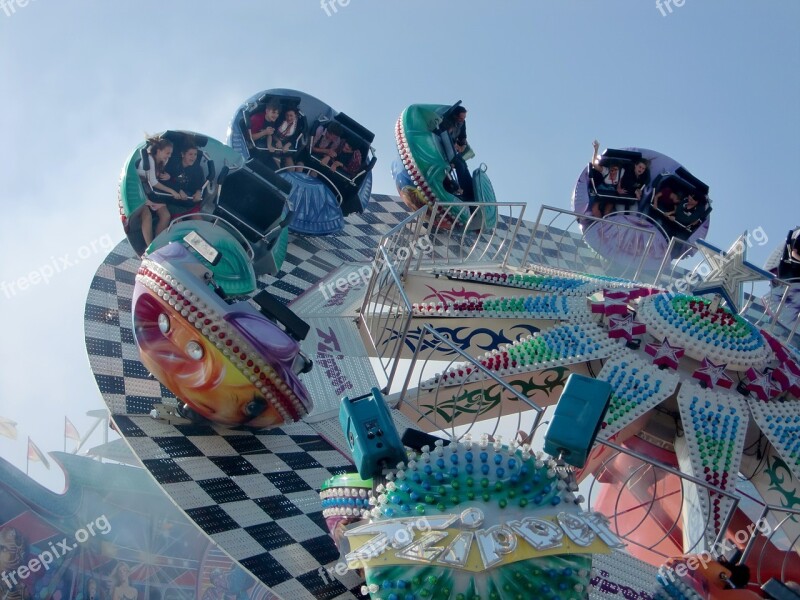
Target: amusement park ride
column 359, row 407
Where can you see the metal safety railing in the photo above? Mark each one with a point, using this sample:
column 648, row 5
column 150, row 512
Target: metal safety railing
column 458, row 409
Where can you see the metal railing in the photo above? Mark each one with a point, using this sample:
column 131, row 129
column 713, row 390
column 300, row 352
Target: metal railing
column 463, row 232
column 386, row 314
column 775, row 519
column 456, row 410
column 565, row 232
column 784, row 322
column 641, row 486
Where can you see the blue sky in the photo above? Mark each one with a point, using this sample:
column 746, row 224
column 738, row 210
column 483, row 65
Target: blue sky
column 714, row 85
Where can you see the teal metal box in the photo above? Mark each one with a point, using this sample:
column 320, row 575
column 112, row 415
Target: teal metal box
column 370, row 433
column 577, row 419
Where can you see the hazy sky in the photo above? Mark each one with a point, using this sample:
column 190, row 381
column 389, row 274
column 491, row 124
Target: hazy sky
column 713, row 84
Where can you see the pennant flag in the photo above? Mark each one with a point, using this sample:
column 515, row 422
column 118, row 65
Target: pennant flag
column 36, row 455
column 8, row 428
column 70, row 431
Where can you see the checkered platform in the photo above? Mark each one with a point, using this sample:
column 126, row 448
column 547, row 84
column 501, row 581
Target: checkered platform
column 256, row 494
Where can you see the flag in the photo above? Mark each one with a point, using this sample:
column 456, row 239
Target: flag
column 70, row 431
column 8, row 428
column 35, row 454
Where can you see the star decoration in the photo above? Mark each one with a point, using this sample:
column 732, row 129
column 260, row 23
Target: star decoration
column 729, row 271
column 762, row 385
column 641, row 292
column 781, row 352
column 612, row 305
column 625, row 327
column 712, row 375
column 788, row 377
column 664, row 353
column 616, row 294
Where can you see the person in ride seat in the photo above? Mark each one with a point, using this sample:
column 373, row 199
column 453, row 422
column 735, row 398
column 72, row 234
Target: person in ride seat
column 187, row 178
column 455, row 124
column 286, row 135
column 326, row 142
column 666, row 201
column 689, row 215
column 348, row 159
column 155, row 177
column 263, row 125
column 605, row 180
column 634, row 181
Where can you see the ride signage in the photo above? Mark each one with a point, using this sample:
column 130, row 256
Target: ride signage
column 461, row 541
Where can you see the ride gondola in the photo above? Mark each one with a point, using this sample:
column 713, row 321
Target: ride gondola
column 325, row 156
column 431, row 167
column 633, row 193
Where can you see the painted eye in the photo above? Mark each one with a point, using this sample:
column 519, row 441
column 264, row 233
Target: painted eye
column 255, row 407
column 194, row 350
column 163, row 323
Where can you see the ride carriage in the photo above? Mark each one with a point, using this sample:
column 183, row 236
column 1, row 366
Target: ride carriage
column 240, row 200
column 430, row 170
column 629, row 226
column 320, row 195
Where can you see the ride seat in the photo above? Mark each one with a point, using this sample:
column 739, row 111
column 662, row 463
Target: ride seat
column 258, row 148
column 625, row 160
column 682, row 188
column 253, row 203
column 788, row 267
column 346, row 185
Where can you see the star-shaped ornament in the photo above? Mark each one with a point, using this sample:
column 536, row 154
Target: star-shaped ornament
column 788, row 377
column 664, row 353
column 712, row 375
column 625, row 327
column 781, row 352
column 762, row 385
column 729, row 271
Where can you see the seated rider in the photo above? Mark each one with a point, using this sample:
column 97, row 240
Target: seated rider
column 286, row 135
column 187, row 178
column 263, row 125
column 789, row 267
column 348, row 159
column 326, row 142
column 455, row 125
column 634, row 181
column 666, row 201
column 152, row 172
column 606, row 181
column 691, row 211
column 688, row 214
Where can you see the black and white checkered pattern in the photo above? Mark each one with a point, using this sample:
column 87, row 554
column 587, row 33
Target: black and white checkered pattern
column 255, row 494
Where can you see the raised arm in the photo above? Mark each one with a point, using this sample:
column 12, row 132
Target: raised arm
column 595, row 151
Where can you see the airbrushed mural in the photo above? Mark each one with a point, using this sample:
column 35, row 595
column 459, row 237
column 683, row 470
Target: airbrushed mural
column 112, row 535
